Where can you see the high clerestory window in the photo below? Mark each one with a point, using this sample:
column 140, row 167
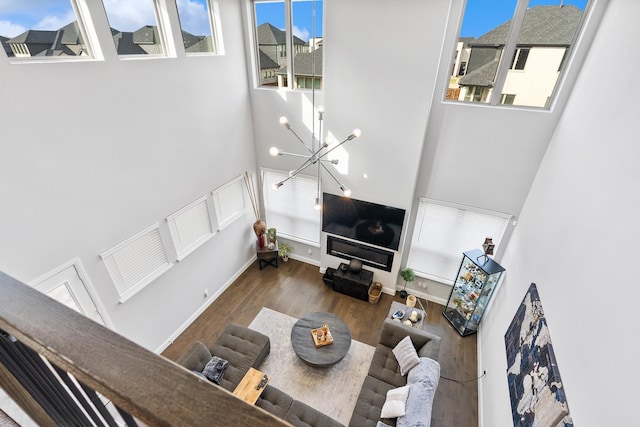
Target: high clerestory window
column 135, row 27
column 289, row 43
column 199, row 25
column 44, row 30
column 514, row 51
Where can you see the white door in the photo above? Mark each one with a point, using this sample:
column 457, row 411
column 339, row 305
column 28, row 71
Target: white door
column 65, row 285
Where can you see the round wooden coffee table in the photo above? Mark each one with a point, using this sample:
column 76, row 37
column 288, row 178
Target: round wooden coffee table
column 327, row 355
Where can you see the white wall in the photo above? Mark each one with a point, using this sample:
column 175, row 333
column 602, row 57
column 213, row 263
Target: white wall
column 576, row 240
column 94, row 152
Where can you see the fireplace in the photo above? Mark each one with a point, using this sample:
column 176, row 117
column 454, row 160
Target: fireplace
column 369, row 255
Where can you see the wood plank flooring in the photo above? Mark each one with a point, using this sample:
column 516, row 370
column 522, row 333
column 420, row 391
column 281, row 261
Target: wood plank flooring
column 296, row 288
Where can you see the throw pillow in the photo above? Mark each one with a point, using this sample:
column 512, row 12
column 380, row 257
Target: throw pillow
column 214, row 369
column 406, row 355
column 394, row 404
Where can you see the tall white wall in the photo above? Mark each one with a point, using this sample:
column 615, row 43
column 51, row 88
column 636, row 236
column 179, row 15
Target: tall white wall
column 94, row 152
column 576, row 239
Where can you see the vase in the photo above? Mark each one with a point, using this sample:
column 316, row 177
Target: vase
column 272, row 235
column 259, row 227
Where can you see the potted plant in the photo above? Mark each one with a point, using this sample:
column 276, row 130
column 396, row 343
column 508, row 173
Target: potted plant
column 284, row 249
column 408, row 275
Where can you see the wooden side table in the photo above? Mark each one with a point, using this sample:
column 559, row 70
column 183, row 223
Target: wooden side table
column 248, row 389
column 267, row 256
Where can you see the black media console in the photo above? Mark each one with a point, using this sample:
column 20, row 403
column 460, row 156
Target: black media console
column 348, row 282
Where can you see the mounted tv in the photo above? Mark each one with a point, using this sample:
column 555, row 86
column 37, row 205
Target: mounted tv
column 363, row 221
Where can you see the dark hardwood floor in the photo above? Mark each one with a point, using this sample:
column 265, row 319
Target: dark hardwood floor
column 296, row 288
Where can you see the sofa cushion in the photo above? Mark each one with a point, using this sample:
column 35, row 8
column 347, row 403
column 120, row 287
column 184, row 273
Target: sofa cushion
column 196, row 357
column 393, row 331
column 406, row 355
column 384, row 366
column 275, row 401
column 244, row 348
column 303, row 415
column 394, row 404
column 370, row 401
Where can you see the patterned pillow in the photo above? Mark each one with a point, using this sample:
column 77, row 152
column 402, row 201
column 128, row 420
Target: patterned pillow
column 406, row 355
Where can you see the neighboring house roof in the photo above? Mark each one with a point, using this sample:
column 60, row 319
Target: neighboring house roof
column 270, row 35
column 125, row 45
column 146, row 35
column 542, row 25
column 189, row 39
column 34, row 37
column 266, row 62
column 203, row 45
column 303, row 64
column 71, row 34
column 483, row 76
column 7, row 49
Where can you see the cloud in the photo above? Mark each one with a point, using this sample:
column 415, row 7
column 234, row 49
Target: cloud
column 52, row 22
column 9, row 29
column 301, row 33
column 194, row 17
column 130, row 15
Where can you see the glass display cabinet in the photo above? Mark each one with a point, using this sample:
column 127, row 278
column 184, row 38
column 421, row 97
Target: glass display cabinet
column 472, row 290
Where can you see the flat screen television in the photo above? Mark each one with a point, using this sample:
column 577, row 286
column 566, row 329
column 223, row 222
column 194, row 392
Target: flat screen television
column 363, row 221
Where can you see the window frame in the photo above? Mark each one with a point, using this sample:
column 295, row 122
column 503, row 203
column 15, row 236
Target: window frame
column 290, row 82
column 214, row 27
column 571, row 62
column 87, row 30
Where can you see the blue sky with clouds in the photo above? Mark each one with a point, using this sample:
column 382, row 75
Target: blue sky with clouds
column 18, row 16
column 482, row 16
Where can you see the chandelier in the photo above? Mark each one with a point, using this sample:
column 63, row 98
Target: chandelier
column 319, row 148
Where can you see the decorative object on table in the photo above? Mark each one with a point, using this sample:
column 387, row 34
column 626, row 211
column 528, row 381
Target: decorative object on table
column 355, row 265
column 319, row 146
column 271, row 232
column 536, row 389
column 411, row 301
column 408, row 275
column 284, row 250
column 472, row 290
column 375, row 290
column 487, row 247
column 322, row 336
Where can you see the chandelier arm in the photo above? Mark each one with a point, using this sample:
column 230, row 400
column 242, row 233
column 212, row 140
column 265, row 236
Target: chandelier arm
column 300, row 139
column 349, row 138
column 332, row 175
column 284, row 153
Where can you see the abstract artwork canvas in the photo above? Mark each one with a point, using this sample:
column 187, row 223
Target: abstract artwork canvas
column 536, row 390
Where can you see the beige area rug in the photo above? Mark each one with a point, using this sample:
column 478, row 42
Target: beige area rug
column 332, row 390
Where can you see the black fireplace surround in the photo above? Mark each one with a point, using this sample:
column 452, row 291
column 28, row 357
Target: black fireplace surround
column 373, row 257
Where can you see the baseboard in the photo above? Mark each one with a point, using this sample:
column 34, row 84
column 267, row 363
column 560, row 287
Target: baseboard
column 204, row 306
column 480, row 365
column 305, row 260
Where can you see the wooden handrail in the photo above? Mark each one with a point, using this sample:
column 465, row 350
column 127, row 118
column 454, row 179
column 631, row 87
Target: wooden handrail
column 150, row 387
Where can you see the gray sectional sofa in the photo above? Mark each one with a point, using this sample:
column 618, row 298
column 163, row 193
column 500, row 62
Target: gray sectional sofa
column 384, row 374
column 244, row 348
